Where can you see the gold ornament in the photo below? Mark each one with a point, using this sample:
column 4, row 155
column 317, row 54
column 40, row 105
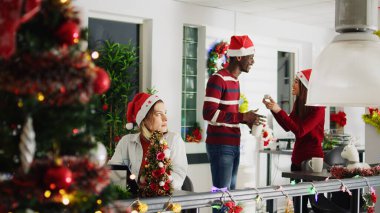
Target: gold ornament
column 140, row 207
column 174, row 207
column 289, row 206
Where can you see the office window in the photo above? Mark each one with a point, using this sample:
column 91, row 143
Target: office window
column 189, row 79
column 285, row 76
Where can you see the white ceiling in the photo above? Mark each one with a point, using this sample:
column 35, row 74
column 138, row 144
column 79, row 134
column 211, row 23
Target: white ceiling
column 311, row 12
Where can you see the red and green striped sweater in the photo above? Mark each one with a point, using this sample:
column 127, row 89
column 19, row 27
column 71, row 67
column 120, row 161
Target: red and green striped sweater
column 221, row 109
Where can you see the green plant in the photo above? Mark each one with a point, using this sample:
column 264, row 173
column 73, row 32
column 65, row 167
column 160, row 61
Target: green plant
column 329, row 142
column 120, row 61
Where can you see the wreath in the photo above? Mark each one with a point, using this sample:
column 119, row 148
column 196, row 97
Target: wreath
column 217, row 53
column 373, row 118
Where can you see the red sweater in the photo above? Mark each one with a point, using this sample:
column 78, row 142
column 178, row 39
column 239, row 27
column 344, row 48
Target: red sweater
column 309, row 133
column 221, row 109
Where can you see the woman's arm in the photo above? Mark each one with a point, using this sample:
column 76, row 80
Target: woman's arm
column 305, row 126
column 179, row 161
column 120, row 154
column 275, row 109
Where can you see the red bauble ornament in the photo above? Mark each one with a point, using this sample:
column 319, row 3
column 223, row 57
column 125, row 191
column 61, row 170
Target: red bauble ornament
column 58, row 177
column 68, row 33
column 102, row 81
column 105, row 107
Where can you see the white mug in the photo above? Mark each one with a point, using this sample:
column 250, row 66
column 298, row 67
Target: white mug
column 256, row 130
column 316, row 164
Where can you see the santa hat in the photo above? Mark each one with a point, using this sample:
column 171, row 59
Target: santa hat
column 240, row 46
column 304, row 76
column 139, row 107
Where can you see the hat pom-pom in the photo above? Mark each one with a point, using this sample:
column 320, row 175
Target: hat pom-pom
column 129, row 126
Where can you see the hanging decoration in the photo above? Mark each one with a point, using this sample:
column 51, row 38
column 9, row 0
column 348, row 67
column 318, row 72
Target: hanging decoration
column 171, row 207
column 27, row 144
column 243, row 104
column 373, row 118
column 369, row 198
column 156, row 179
column 288, row 201
column 258, row 201
column 139, row 207
column 227, row 206
column 217, row 57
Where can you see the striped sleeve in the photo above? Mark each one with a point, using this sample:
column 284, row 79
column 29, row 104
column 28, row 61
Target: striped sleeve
column 212, row 110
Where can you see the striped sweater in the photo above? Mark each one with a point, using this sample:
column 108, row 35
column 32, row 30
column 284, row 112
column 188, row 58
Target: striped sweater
column 221, row 109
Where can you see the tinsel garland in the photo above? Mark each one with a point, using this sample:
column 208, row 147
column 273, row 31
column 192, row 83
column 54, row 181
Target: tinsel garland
column 88, row 181
column 340, row 172
column 59, row 77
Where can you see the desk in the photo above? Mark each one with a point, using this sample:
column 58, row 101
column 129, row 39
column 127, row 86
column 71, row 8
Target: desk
column 319, row 176
column 270, row 203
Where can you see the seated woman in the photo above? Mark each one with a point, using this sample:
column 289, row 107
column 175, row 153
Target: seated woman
column 149, row 112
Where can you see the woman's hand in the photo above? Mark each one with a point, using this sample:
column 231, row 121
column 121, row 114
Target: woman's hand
column 271, row 104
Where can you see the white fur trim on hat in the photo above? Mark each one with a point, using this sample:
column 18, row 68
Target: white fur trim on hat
column 148, row 103
column 241, row 52
column 303, row 79
column 129, row 126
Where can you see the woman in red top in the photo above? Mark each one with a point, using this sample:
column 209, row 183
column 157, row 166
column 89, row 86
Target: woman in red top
column 306, row 122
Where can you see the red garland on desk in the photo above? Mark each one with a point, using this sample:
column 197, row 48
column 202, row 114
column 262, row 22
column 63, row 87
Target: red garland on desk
column 339, row 118
column 340, row 172
column 156, row 179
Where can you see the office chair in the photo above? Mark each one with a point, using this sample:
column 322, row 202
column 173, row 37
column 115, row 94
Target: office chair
column 188, row 186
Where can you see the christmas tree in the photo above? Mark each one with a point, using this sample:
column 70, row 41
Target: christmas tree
column 50, row 160
column 156, row 179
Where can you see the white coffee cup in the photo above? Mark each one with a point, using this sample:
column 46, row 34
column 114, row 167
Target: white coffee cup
column 316, row 164
column 256, row 130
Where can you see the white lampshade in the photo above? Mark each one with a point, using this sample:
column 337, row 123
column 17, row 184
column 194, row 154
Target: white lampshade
column 347, row 72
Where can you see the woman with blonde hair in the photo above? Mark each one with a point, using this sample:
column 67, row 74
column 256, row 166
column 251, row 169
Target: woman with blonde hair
column 149, row 113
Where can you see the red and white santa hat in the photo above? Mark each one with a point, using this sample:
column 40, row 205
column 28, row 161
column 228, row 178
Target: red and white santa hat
column 139, row 107
column 304, row 76
column 240, row 46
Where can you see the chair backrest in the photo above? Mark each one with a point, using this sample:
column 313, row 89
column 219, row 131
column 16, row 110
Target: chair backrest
column 187, row 185
column 334, row 157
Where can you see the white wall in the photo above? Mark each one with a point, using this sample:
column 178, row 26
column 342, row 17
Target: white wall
column 162, row 59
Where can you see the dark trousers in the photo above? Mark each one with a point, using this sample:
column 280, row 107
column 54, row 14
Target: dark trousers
column 297, row 200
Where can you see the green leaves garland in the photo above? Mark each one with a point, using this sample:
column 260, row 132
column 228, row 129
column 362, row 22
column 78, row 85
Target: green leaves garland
column 217, row 52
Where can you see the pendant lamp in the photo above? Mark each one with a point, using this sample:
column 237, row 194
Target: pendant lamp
column 347, row 72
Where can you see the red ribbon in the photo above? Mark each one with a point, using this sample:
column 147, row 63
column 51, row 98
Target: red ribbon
column 10, row 20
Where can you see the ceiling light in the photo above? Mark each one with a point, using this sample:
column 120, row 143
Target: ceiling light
column 347, row 72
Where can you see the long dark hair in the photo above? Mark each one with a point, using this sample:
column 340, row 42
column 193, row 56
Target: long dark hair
column 300, row 109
